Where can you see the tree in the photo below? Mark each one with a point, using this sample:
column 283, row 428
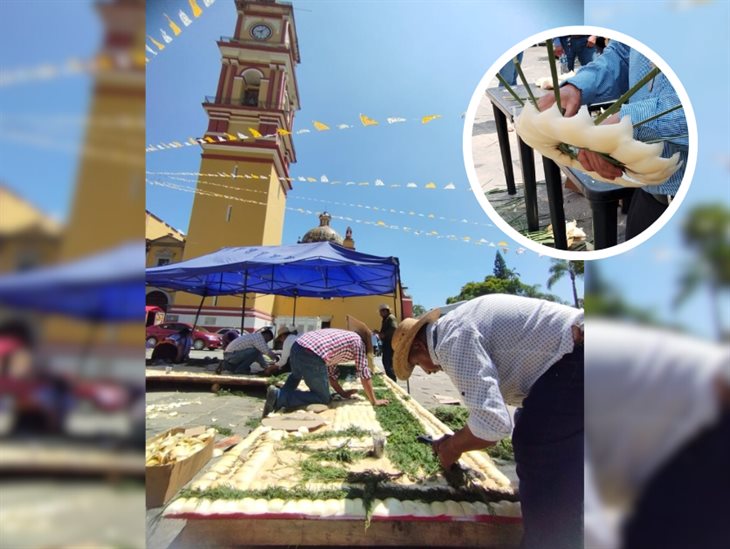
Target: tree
column 706, row 232
column 502, row 281
column 560, row 268
column 418, row 310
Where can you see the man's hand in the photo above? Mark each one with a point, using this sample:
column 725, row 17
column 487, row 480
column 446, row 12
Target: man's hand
column 594, row 162
column 444, row 449
column 349, row 393
column 381, row 402
column 591, row 41
column 570, row 97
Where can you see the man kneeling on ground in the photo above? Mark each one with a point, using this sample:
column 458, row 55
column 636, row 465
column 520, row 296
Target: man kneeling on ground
column 245, row 354
column 315, row 357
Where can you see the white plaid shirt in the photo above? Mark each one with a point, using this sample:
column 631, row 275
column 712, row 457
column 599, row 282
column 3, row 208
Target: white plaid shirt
column 494, row 348
column 335, row 347
column 245, row 341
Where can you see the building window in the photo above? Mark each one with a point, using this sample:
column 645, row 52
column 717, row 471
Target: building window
column 163, row 261
column 251, row 97
column 229, row 210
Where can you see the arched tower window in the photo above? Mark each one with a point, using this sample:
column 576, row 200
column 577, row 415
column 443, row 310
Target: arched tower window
column 251, row 85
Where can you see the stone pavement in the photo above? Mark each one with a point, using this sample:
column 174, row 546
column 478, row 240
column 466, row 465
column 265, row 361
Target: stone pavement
column 490, row 172
column 239, row 411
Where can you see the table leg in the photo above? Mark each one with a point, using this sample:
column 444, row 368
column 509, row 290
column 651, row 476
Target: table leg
column 500, row 120
column 604, row 223
column 527, row 159
column 555, row 200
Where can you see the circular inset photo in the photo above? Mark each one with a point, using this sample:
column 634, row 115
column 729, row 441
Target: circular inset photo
column 580, row 142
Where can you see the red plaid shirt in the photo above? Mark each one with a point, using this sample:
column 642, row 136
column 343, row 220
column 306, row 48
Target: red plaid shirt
column 335, row 347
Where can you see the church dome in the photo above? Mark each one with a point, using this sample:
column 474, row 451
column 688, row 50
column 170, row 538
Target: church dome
column 323, row 233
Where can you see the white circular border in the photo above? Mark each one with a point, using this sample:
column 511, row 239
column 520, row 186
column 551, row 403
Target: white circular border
column 478, row 96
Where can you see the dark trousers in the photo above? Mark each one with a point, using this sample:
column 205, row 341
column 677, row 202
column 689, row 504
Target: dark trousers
column 548, row 446
column 388, row 360
column 643, row 212
column 685, row 504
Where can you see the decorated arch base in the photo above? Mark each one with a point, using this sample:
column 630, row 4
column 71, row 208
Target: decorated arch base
column 642, row 163
column 331, row 487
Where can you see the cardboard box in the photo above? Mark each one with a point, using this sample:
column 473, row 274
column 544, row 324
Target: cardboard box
column 164, row 481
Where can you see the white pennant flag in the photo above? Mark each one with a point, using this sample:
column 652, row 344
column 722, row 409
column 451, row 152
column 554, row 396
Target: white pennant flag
column 153, row 52
column 166, row 37
column 208, row 3
column 450, row 187
column 241, row 136
column 184, row 18
column 302, row 131
column 379, row 183
column 412, row 185
column 343, row 127
column 395, row 120
column 324, row 179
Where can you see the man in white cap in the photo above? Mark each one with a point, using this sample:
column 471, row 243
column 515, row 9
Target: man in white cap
column 504, row 349
column 387, row 329
column 285, row 338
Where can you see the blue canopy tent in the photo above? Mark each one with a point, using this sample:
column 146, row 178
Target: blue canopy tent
column 103, row 287
column 320, row 269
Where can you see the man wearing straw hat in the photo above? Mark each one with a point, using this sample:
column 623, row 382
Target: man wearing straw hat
column 285, row 338
column 504, row 349
column 314, row 359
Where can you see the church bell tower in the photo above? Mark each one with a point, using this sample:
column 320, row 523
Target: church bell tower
column 248, row 146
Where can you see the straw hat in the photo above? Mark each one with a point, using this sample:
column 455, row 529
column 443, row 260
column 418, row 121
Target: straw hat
column 285, row 330
column 361, row 329
column 403, row 339
column 383, row 307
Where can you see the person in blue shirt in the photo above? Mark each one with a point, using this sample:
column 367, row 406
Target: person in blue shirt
column 608, row 77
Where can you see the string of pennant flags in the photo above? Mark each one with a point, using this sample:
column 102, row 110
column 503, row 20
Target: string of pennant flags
column 430, row 185
column 318, row 126
column 176, row 26
column 378, row 224
column 410, row 213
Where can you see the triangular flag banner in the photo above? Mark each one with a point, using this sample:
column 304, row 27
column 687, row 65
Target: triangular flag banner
column 303, row 131
column 282, row 131
column 311, row 179
column 381, row 223
column 220, row 138
column 379, row 183
column 147, row 47
column 520, row 251
column 254, row 132
column 324, row 179
column 366, row 121
column 156, row 43
column 209, row 140
column 411, row 186
column 450, row 186
column 427, row 119
column 184, row 18
column 196, row 9
column 166, row 37
column 231, row 137
column 175, row 29
column 319, row 126
column 395, row 120
column 208, row 3
column 343, row 127
column 241, row 136
column 430, row 185
column 502, row 243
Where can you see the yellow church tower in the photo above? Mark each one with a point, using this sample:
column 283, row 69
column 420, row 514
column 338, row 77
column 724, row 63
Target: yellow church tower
column 254, row 103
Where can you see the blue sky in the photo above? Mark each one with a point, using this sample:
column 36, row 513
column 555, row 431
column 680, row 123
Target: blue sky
column 404, row 59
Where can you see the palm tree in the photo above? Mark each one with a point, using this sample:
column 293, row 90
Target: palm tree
column 706, row 231
column 560, row 268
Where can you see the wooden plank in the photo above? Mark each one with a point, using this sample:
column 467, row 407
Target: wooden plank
column 424, row 533
column 159, row 375
column 68, row 459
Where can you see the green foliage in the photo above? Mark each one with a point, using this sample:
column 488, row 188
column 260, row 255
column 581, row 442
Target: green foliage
column 503, row 281
column 228, row 392
column 561, row 268
column 314, row 470
column 253, row 422
column 502, row 450
column 453, row 416
column 273, row 492
column 419, row 310
column 225, row 431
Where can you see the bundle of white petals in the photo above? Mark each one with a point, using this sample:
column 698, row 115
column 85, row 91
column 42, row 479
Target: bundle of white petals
column 643, row 165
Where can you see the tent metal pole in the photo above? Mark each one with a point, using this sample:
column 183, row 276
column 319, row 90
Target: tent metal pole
column 400, row 292
column 294, row 313
column 243, row 301
column 197, row 314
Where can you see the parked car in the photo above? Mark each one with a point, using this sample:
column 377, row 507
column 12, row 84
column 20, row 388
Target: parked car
column 201, row 338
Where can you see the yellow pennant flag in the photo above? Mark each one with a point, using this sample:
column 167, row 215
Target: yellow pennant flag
column 255, row 133
column 319, row 126
column 156, row 43
column 210, row 139
column 430, row 185
column 311, row 179
column 196, row 9
column 175, row 29
column 427, row 119
column 380, row 224
column 502, row 244
column 282, row 131
column 366, row 121
column 231, row 137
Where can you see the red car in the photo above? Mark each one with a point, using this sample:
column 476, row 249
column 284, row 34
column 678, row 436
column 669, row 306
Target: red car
column 201, row 338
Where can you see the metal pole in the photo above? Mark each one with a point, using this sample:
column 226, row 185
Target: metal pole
column 400, row 291
column 243, row 302
column 294, row 313
column 197, row 314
